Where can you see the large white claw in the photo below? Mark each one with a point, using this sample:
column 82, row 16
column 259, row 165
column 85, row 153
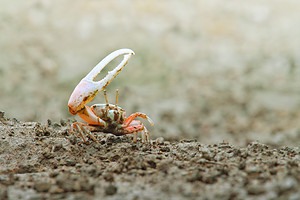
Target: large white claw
column 100, row 85
column 87, row 88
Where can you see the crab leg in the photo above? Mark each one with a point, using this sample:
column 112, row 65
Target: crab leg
column 131, row 117
column 136, row 126
column 80, row 133
column 82, row 129
column 145, row 135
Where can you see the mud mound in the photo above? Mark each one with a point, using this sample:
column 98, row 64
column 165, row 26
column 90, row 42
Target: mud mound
column 41, row 161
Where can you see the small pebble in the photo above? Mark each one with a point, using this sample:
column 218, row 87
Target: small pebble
column 160, row 140
column 111, row 190
column 70, row 162
column 165, row 149
column 42, row 186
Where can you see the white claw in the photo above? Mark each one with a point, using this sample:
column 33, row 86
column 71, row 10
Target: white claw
column 87, row 88
column 100, row 85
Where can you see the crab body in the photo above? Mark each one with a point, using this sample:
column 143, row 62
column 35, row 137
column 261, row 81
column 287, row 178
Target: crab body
column 107, row 118
column 113, row 115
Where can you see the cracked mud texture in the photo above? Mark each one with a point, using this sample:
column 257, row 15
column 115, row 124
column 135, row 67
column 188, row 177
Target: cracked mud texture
column 41, row 161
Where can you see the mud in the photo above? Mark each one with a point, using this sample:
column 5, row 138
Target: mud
column 42, row 161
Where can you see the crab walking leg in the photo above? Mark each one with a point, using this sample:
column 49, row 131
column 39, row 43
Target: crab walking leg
column 134, row 137
column 81, row 129
column 89, row 133
column 80, row 132
column 136, row 127
column 135, row 115
column 146, row 133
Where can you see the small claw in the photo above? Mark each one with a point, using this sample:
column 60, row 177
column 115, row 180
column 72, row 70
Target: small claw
column 87, row 88
column 131, row 117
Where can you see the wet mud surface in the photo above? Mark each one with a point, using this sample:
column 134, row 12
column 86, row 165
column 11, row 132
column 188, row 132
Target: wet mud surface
column 41, row 161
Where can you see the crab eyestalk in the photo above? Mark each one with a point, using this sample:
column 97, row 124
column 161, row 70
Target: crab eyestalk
column 105, row 97
column 87, row 88
column 117, row 97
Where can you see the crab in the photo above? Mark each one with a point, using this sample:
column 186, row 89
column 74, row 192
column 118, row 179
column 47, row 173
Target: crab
column 106, row 118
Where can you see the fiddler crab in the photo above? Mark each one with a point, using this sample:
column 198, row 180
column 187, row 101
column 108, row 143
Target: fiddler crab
column 107, row 118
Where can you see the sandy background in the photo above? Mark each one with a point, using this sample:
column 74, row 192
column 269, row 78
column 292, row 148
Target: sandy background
column 209, row 70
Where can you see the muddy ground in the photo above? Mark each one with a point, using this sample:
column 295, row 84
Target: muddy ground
column 42, row 161
column 219, row 79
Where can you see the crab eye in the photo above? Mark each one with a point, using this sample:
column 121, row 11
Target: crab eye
column 111, row 114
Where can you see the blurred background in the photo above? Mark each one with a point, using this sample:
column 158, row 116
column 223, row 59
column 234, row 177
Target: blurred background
column 207, row 70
